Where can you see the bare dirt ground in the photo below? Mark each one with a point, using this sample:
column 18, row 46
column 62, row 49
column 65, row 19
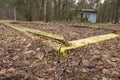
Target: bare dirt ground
column 21, row 58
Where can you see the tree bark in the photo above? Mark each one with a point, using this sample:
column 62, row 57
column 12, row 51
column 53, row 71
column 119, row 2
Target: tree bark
column 0, row 13
column 45, row 9
column 117, row 12
column 15, row 16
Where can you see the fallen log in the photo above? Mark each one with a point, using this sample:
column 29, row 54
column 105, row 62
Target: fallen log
column 26, row 33
column 99, row 28
column 61, row 46
column 23, row 22
column 37, row 32
column 56, row 40
column 84, row 42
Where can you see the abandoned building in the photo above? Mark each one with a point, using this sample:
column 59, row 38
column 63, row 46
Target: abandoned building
column 86, row 15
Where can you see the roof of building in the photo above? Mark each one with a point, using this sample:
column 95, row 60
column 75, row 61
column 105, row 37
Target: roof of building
column 87, row 10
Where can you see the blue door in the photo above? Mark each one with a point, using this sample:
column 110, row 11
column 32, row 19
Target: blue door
column 92, row 18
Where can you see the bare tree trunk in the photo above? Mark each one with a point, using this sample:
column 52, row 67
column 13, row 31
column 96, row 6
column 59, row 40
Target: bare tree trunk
column 45, row 10
column 15, row 17
column 30, row 11
column 40, row 9
column 8, row 12
column 59, row 8
column 117, row 12
column 55, row 9
column 113, row 15
column 0, row 13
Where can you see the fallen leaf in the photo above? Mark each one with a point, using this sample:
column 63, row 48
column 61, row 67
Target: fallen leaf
column 27, row 46
column 11, row 70
column 115, row 73
column 51, row 69
column 104, row 78
column 73, row 63
column 106, row 71
column 39, row 56
column 115, row 59
column 37, row 49
column 85, row 62
column 40, row 79
column 84, row 69
column 16, row 57
column 28, row 52
column 3, row 71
